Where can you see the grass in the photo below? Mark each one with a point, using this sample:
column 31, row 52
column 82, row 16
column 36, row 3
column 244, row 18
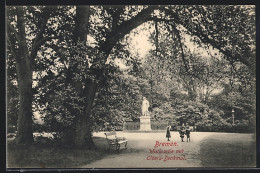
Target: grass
column 46, row 156
column 228, row 150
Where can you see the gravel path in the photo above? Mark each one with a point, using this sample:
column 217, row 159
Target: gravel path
column 138, row 153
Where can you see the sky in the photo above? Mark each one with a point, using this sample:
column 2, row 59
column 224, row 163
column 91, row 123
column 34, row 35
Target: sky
column 140, row 44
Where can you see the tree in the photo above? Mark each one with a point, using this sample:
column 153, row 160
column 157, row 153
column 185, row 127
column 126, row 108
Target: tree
column 24, row 51
column 108, row 25
column 204, row 23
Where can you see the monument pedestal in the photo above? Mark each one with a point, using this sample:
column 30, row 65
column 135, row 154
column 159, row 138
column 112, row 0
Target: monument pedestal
column 145, row 123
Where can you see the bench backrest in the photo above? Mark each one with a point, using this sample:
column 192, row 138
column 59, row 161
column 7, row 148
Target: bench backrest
column 110, row 134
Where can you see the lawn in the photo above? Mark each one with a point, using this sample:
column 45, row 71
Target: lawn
column 46, row 156
column 228, row 150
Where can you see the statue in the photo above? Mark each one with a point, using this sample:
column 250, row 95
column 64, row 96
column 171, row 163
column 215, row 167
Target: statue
column 145, row 106
column 145, row 119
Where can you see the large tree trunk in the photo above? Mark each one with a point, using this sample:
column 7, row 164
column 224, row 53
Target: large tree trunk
column 24, row 123
column 83, row 132
column 84, row 124
column 24, row 74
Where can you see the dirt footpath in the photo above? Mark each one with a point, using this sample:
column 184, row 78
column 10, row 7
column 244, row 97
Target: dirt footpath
column 142, row 151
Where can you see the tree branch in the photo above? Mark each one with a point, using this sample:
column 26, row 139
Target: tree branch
column 13, row 30
column 156, row 37
column 205, row 39
column 124, row 28
column 12, row 45
column 36, row 46
column 45, row 16
column 38, row 41
column 182, row 51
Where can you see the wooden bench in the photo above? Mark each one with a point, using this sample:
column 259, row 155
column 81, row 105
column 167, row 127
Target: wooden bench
column 114, row 141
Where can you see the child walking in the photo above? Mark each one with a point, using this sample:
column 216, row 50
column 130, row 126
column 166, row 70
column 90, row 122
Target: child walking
column 188, row 133
column 168, row 134
column 182, row 132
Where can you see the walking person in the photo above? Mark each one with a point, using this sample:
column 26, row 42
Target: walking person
column 188, row 133
column 168, row 134
column 182, row 132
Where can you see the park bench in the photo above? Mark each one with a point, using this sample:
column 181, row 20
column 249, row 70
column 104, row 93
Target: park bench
column 114, row 141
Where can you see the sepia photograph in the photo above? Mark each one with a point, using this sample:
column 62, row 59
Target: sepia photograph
column 130, row 86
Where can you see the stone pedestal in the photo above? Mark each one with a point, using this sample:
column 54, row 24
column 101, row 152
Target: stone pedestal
column 145, row 123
